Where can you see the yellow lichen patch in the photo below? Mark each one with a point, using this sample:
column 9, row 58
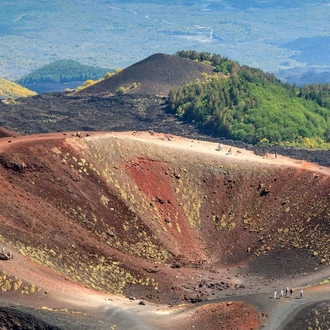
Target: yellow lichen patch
column 231, row 226
column 11, row 283
column 303, row 233
column 104, row 200
column 101, row 274
column 187, row 190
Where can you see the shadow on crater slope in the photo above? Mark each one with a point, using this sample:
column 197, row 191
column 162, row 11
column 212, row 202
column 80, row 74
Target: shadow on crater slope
column 159, row 218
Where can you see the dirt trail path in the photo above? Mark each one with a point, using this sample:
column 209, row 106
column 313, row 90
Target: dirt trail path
column 211, row 148
column 281, row 311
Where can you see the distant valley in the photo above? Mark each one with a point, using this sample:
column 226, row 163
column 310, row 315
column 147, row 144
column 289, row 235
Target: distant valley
column 273, row 36
column 49, row 87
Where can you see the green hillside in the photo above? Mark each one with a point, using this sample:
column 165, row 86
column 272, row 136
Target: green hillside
column 11, row 89
column 63, row 71
column 253, row 106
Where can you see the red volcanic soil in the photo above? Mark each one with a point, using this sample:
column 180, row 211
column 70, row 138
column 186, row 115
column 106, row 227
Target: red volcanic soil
column 7, row 133
column 223, row 315
column 139, row 230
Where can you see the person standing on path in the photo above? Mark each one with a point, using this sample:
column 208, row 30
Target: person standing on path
column 275, row 293
column 301, row 293
column 281, row 294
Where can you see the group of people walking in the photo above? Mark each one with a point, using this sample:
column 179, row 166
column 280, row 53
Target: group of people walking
column 229, row 152
column 287, row 293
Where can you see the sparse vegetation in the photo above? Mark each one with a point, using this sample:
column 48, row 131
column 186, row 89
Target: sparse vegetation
column 121, row 90
column 10, row 89
column 12, row 283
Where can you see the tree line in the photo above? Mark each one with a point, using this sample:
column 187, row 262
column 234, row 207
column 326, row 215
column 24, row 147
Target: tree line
column 63, row 71
column 250, row 105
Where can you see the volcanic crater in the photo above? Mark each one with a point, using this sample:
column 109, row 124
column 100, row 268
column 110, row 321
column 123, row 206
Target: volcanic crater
column 129, row 219
column 173, row 224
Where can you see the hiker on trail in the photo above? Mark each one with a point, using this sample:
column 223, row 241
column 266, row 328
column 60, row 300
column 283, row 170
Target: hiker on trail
column 275, row 154
column 281, row 294
column 275, row 293
column 220, row 146
column 291, row 292
column 3, row 250
column 301, row 293
column 286, row 291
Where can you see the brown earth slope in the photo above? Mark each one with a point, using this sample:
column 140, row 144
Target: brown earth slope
column 155, row 75
column 158, row 218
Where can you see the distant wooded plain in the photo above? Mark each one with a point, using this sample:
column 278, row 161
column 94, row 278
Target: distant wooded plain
column 270, row 35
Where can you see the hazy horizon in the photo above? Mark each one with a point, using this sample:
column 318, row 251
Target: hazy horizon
column 270, row 35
